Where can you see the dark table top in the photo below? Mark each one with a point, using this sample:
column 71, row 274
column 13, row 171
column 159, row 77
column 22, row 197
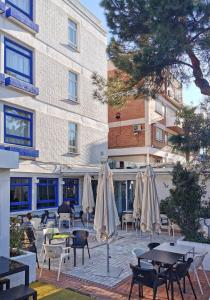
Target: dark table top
column 9, row 266
column 160, row 256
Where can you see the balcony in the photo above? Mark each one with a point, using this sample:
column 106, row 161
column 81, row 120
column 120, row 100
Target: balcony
column 23, row 152
column 21, row 85
column 22, row 20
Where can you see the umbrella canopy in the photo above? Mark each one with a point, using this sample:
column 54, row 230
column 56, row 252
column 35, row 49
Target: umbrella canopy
column 150, row 214
column 137, row 203
column 87, row 195
column 106, row 217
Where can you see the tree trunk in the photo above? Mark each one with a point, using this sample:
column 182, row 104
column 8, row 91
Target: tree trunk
column 187, row 156
column 200, row 81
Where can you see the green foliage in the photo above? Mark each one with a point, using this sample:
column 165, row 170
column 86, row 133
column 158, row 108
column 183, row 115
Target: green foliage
column 184, row 203
column 194, row 135
column 152, row 36
column 16, row 236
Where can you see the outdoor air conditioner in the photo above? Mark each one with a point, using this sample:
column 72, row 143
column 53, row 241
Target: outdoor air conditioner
column 137, row 128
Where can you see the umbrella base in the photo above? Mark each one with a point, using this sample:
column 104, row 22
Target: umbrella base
column 113, row 272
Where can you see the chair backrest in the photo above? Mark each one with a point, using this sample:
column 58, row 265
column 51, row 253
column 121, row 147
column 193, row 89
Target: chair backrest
column 80, row 237
column 50, row 231
column 182, row 269
column 127, row 217
column 30, row 235
column 145, row 277
column 64, row 216
column 153, row 245
column 138, row 251
column 198, row 259
column 53, row 251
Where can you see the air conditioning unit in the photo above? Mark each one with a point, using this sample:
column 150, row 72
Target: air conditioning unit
column 137, row 128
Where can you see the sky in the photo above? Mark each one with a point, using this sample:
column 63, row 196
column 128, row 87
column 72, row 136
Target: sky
column 191, row 94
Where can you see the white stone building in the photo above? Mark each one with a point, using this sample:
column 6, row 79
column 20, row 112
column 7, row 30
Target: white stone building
column 48, row 52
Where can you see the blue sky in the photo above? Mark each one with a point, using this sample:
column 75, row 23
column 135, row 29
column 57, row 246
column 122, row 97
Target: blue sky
column 191, row 94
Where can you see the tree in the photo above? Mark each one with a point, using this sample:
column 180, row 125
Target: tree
column 154, row 37
column 183, row 206
column 193, row 137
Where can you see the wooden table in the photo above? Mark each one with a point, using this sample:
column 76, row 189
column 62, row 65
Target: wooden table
column 163, row 257
column 9, row 267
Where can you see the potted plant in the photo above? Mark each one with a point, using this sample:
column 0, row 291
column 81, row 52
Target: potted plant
column 20, row 255
column 184, row 207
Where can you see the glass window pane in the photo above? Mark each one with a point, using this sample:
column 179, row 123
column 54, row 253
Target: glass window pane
column 20, row 194
column 73, row 78
column 71, row 190
column 23, row 5
column 73, row 137
column 120, row 195
column 47, row 189
column 72, row 33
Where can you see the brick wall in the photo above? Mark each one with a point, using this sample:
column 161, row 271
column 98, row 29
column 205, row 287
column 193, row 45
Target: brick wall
column 154, row 142
column 120, row 137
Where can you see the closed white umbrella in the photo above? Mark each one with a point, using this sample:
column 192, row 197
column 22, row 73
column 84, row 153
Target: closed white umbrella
column 106, row 217
column 150, row 214
column 87, row 196
column 137, row 203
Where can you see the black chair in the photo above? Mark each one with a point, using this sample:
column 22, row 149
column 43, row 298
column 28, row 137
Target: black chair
column 21, row 292
column 181, row 271
column 31, row 246
column 80, row 240
column 5, row 282
column 149, row 278
column 153, row 245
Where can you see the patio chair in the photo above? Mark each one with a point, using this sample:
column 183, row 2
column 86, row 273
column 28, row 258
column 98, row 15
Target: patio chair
column 29, row 244
column 4, row 283
column 53, row 252
column 80, row 240
column 47, row 232
column 64, row 217
column 149, row 278
column 153, row 245
column 198, row 264
column 181, row 271
column 128, row 218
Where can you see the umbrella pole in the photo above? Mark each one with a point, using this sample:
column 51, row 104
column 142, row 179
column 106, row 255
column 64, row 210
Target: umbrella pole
column 87, row 219
column 107, row 247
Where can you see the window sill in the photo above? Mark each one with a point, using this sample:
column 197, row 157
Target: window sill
column 73, row 101
column 22, row 20
column 75, row 49
column 23, row 151
column 73, row 153
column 21, row 85
column 2, row 7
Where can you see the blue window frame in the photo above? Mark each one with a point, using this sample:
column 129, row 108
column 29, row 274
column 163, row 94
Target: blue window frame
column 71, row 190
column 73, row 34
column 18, row 126
column 20, row 193
column 24, row 6
column 47, row 193
column 18, row 61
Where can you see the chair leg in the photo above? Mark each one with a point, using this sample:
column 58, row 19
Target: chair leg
column 88, row 250
column 83, row 256
column 59, row 269
column 130, row 292
column 40, row 274
column 180, row 289
column 154, row 293
column 75, row 259
column 198, row 280
column 188, row 276
column 167, row 290
column 205, row 274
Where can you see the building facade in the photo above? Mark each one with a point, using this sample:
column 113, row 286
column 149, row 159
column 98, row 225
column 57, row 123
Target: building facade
column 48, row 53
column 139, row 132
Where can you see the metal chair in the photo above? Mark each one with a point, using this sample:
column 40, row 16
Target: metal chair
column 80, row 240
column 128, row 218
column 153, row 245
column 55, row 251
column 149, row 278
column 136, row 252
column 198, row 264
column 47, row 233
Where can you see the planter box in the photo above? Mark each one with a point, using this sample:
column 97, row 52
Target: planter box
column 28, row 259
column 199, row 247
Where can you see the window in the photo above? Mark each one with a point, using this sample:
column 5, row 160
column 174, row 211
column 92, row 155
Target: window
column 73, row 86
column 170, row 136
column 73, row 137
column 72, row 32
column 20, row 194
column 47, row 193
column 18, row 126
column 159, row 134
column 159, row 107
column 24, row 6
column 18, row 61
column 71, row 190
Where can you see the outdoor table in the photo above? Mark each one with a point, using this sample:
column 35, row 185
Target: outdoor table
column 176, row 248
column 164, row 257
column 9, row 267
